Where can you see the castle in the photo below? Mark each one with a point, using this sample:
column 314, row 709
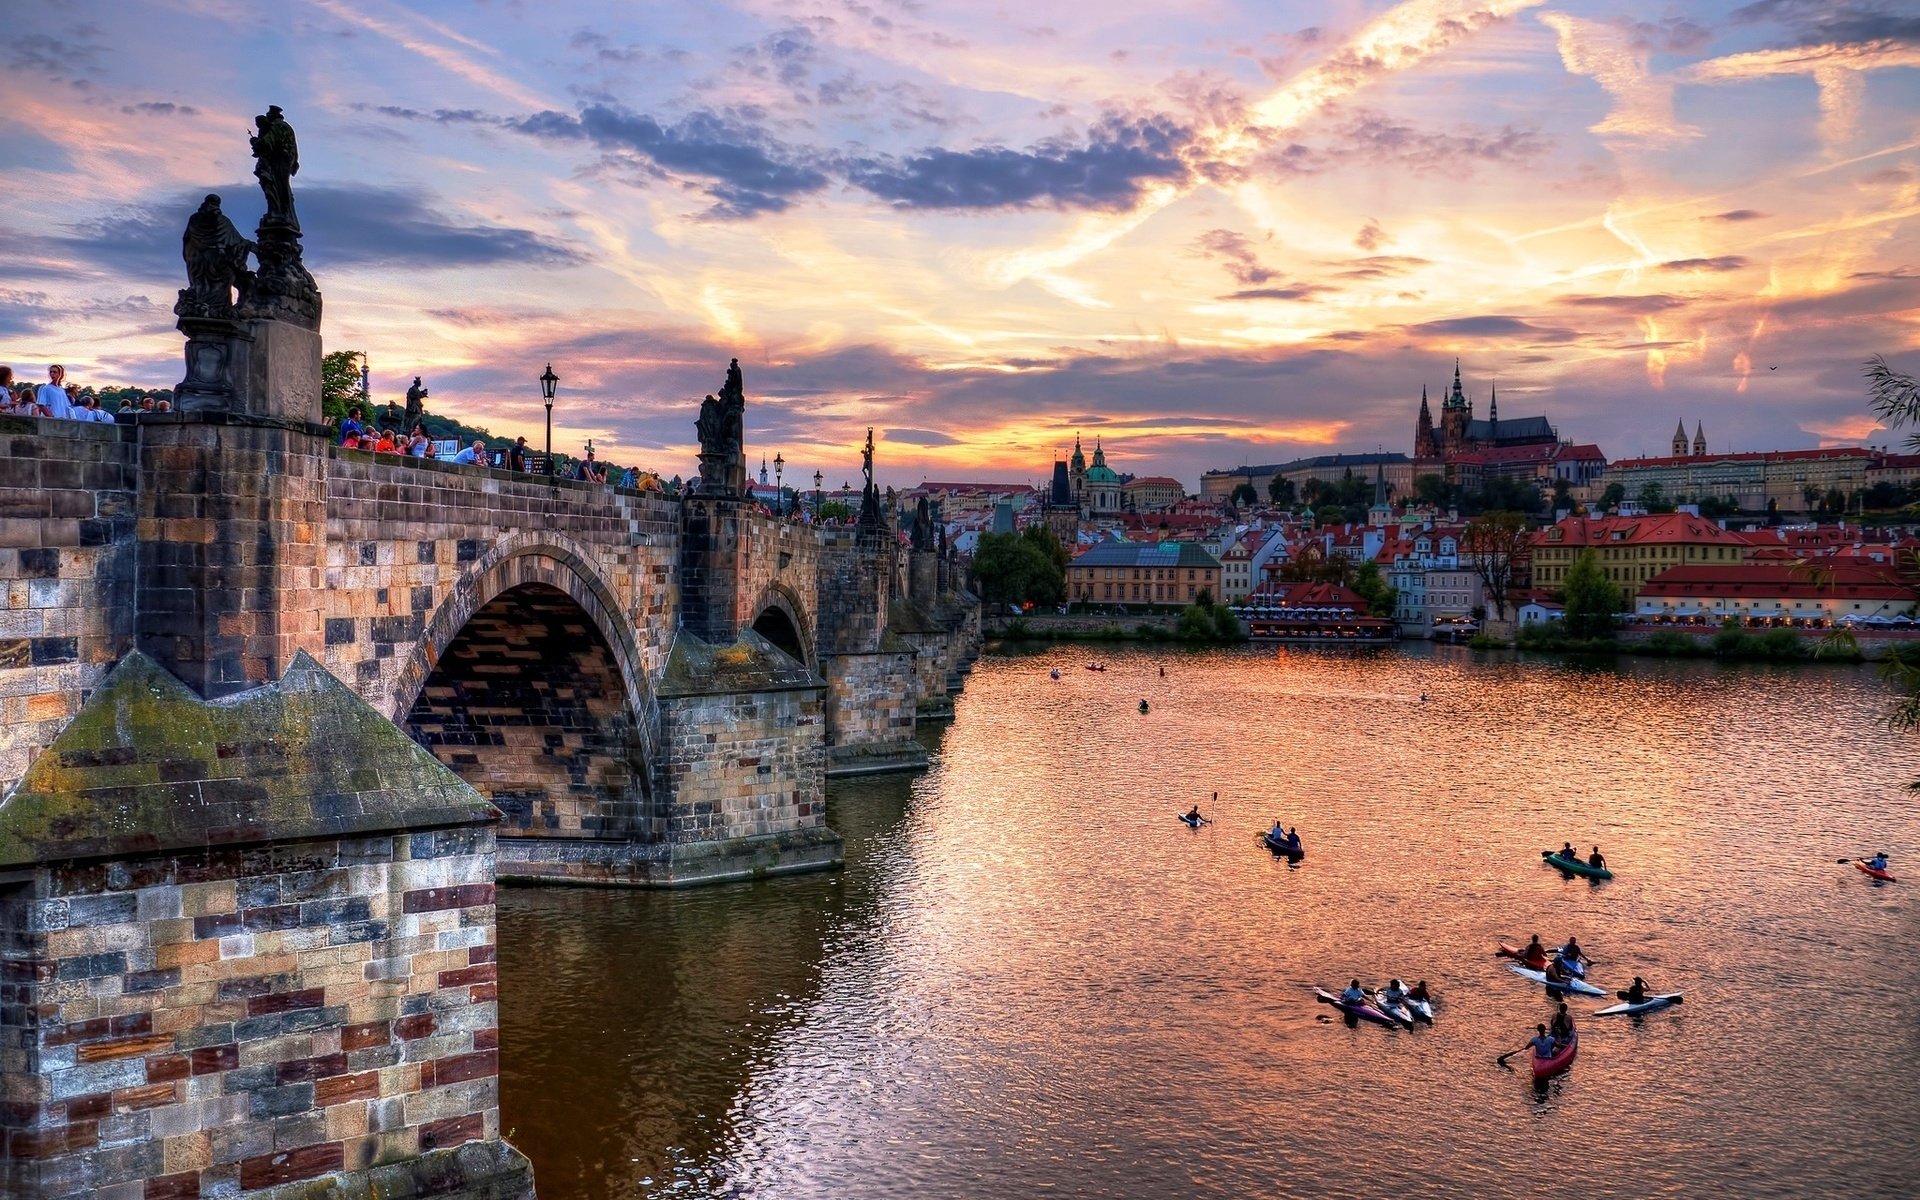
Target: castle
column 1460, row 432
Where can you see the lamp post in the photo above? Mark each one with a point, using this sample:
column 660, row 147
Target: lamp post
column 547, row 383
column 819, row 497
column 779, row 493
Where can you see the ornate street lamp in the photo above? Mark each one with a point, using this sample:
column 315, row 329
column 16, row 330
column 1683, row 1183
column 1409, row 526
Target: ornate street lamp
column 548, row 382
column 779, row 493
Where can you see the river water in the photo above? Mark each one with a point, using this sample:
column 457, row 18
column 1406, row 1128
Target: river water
column 1031, row 980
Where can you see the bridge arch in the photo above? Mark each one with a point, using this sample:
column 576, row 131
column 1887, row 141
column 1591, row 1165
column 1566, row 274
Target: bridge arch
column 528, row 682
column 781, row 618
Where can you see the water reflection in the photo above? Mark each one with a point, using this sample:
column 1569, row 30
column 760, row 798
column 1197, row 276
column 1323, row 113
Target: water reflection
column 1031, row 979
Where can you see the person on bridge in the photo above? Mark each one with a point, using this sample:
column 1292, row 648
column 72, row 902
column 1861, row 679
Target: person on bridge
column 590, row 471
column 475, row 454
column 517, row 455
column 350, row 429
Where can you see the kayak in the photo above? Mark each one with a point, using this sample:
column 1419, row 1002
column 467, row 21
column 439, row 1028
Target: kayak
column 1876, row 872
column 1509, row 950
column 1363, row 1010
column 1633, row 1010
column 1193, row 822
column 1282, row 847
column 1399, row 1012
column 1574, row 866
column 1422, row 1010
column 1579, row 986
column 1547, row 1068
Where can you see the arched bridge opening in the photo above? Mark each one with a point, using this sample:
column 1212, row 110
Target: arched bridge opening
column 528, row 706
column 777, row 625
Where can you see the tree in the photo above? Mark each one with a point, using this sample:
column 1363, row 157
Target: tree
column 1591, row 598
column 1894, row 397
column 1280, row 491
column 1717, row 506
column 339, row 383
column 1372, row 585
column 1492, row 544
column 1653, row 498
column 1014, row 568
column 1835, row 501
column 1612, row 495
column 1562, row 494
column 1433, row 490
column 1244, row 496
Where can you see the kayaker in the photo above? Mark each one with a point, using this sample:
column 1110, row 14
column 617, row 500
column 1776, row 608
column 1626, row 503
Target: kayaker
column 1636, row 992
column 1879, row 861
column 1562, row 1025
column 1572, row 952
column 1395, row 994
column 1293, row 841
column 1278, row 834
column 1567, row 852
column 1193, row 816
column 1555, row 971
column 1354, row 993
column 1597, row 860
column 1535, row 955
column 1419, row 993
column 1542, row 1043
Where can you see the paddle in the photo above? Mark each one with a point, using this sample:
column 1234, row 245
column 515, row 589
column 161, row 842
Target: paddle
column 1502, row 1060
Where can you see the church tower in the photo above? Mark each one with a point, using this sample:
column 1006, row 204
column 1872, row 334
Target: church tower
column 1077, row 472
column 1680, row 440
column 1700, row 440
column 1455, row 415
column 1493, row 414
column 1424, row 445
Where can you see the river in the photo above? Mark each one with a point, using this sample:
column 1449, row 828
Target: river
column 1031, row 980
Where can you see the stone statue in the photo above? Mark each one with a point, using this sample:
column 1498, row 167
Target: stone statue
column 276, row 161
column 416, row 403
column 722, row 429
column 869, row 495
column 922, row 526
column 216, row 258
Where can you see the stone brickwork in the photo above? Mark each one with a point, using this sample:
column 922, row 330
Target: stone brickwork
column 189, row 1006
column 529, row 707
column 68, row 494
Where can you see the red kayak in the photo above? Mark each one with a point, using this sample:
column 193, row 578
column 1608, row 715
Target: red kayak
column 1876, row 872
column 1547, row 1068
column 1509, row 950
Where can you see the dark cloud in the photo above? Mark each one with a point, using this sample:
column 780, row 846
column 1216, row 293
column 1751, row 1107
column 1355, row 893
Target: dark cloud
column 1371, row 236
column 1635, row 305
column 1725, row 262
column 1491, row 327
column 744, row 171
column 1738, row 214
column 1675, row 35
column 346, row 225
column 63, row 56
column 159, row 108
column 1373, row 138
column 1817, row 22
column 1378, row 266
column 1119, row 157
column 1235, row 253
column 439, row 116
column 920, row 437
column 1299, row 291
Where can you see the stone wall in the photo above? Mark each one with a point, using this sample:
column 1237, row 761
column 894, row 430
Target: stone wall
column 870, row 712
column 245, row 945
column 68, row 494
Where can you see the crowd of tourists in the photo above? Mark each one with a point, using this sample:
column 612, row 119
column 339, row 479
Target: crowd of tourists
column 64, row 401
column 357, row 433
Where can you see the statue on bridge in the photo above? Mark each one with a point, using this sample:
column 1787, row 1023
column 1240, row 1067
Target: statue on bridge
column 922, row 526
column 869, row 495
column 216, row 258
column 285, row 291
column 416, row 403
column 721, row 428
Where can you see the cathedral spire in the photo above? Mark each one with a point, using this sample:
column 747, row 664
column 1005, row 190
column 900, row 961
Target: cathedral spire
column 1700, row 440
column 1680, row 439
column 1424, row 445
column 1493, row 406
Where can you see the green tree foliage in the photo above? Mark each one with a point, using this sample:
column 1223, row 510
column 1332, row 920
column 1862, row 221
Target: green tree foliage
column 1021, row 568
column 1883, row 495
column 1612, row 495
column 112, row 397
column 1653, row 498
column 1562, row 494
column 1503, row 495
column 834, row 510
column 1591, row 598
column 1280, row 491
column 1433, row 490
column 1244, row 496
column 1719, row 506
column 339, row 383
column 1372, row 585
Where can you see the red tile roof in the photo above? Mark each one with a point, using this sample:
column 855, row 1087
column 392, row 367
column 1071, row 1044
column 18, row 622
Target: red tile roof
column 1751, row 456
column 1662, row 529
column 1771, row 579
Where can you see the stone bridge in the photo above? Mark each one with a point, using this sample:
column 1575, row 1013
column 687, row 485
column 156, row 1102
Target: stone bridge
column 650, row 689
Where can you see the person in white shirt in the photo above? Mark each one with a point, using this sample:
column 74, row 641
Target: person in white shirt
column 476, row 453
column 53, row 396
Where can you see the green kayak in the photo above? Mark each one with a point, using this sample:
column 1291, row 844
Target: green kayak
column 1574, row 866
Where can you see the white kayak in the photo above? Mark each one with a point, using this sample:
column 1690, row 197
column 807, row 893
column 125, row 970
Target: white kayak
column 1398, row 1012
column 1422, row 1010
column 1577, row 986
column 1648, row 1005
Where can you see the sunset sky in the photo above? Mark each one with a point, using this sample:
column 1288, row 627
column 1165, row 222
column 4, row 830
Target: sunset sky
column 1211, row 233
